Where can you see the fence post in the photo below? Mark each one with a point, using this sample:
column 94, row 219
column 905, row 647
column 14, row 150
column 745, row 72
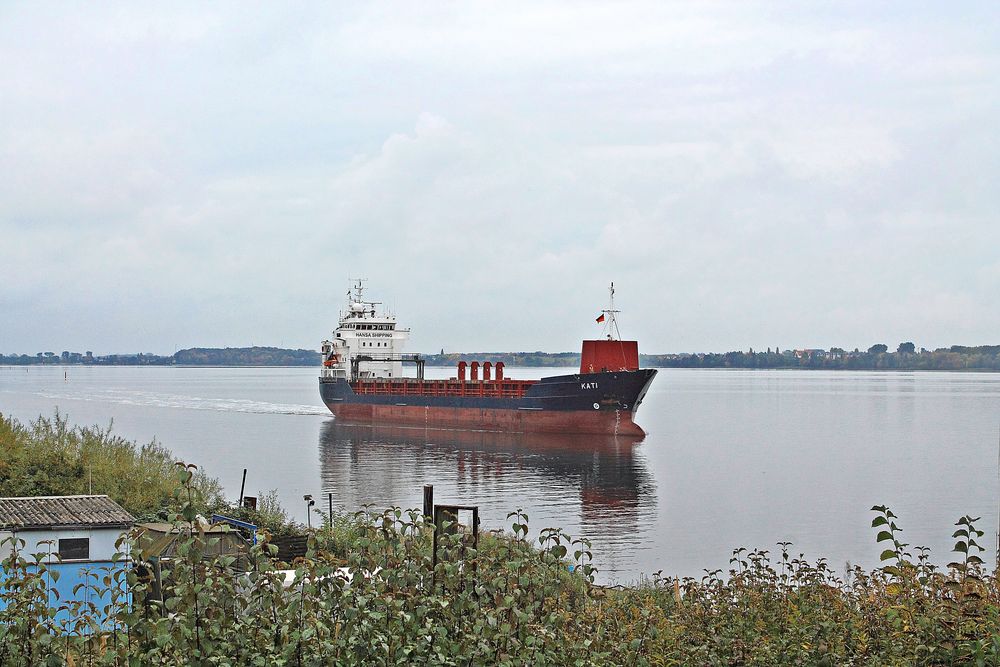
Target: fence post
column 428, row 501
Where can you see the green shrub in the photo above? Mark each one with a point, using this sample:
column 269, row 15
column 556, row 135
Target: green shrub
column 48, row 457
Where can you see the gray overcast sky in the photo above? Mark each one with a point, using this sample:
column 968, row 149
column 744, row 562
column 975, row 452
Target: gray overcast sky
column 749, row 174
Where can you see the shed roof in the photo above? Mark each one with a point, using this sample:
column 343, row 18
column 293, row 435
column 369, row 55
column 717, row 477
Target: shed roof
column 57, row 511
column 160, row 540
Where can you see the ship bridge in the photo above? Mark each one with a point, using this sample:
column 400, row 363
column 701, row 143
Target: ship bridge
column 367, row 343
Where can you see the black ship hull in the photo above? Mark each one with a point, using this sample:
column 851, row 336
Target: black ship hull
column 602, row 402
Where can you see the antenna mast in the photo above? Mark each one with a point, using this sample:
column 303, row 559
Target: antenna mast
column 611, row 323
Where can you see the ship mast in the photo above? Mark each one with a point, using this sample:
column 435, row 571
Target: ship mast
column 355, row 295
column 358, row 289
column 610, row 322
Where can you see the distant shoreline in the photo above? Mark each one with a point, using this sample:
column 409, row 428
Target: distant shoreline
column 876, row 358
column 687, row 368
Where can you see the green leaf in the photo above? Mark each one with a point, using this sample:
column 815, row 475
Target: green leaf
column 879, row 521
column 888, row 554
column 883, row 536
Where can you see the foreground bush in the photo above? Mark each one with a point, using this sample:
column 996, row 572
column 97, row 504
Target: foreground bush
column 48, row 457
column 509, row 602
column 792, row 612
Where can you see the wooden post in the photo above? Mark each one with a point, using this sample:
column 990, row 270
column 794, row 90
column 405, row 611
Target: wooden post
column 429, row 501
column 243, row 485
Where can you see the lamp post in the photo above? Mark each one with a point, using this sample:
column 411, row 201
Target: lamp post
column 309, row 503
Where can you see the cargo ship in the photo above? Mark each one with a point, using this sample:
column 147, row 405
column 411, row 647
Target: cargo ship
column 363, row 381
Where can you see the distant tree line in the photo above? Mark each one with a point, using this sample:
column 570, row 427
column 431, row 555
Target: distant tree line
column 530, row 359
column 876, row 357
column 86, row 358
column 246, row 356
column 196, row 356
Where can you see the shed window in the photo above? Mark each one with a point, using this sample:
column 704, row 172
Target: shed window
column 74, row 548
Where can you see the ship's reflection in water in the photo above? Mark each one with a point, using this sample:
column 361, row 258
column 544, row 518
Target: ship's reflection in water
column 595, row 486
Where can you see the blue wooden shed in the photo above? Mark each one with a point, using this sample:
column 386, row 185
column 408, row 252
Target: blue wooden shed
column 77, row 534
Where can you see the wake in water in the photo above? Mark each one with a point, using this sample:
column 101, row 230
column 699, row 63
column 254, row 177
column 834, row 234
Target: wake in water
column 151, row 399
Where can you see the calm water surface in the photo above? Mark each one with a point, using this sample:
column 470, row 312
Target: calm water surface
column 733, row 458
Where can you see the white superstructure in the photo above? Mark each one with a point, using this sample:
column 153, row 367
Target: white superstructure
column 368, row 342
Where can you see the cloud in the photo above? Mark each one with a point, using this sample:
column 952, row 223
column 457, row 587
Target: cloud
column 188, row 176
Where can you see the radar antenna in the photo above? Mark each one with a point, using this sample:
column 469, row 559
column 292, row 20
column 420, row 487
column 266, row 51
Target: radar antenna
column 356, row 299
